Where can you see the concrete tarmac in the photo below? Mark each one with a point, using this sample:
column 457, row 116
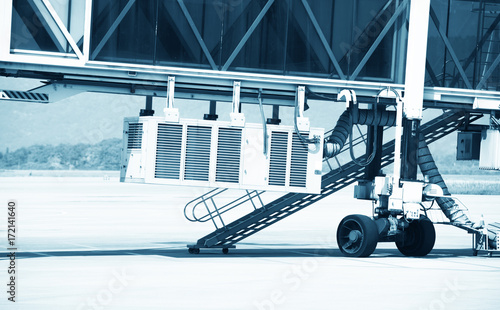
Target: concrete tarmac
column 95, row 243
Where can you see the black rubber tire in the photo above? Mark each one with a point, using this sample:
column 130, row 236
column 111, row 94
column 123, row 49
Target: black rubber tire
column 418, row 239
column 191, row 250
column 225, row 250
column 196, row 251
column 361, row 228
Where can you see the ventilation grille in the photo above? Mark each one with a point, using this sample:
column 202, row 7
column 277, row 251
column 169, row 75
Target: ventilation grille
column 168, row 151
column 228, row 155
column 298, row 167
column 277, row 164
column 198, row 153
column 134, row 140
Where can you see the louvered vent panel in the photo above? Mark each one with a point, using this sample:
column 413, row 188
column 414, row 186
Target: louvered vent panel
column 198, row 153
column 298, row 167
column 168, row 151
column 228, row 155
column 277, row 165
column 134, row 136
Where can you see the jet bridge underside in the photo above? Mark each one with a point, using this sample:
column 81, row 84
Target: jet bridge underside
column 131, row 47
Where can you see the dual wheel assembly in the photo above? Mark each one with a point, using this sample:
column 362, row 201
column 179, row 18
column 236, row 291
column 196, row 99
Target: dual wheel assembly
column 358, row 235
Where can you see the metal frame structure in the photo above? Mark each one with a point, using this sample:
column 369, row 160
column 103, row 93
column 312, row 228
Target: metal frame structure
column 77, row 73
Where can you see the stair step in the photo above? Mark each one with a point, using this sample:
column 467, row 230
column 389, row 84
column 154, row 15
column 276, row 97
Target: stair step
column 332, row 182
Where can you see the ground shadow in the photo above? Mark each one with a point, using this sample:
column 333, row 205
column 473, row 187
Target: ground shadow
column 233, row 253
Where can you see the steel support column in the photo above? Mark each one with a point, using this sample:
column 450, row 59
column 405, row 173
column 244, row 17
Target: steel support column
column 148, row 110
column 374, row 138
column 212, row 112
column 416, row 57
column 409, row 163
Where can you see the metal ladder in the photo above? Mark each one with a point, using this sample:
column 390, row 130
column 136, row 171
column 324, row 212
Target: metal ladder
column 260, row 218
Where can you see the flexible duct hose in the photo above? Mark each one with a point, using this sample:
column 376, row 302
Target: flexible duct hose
column 334, row 144
column 448, row 205
column 428, row 167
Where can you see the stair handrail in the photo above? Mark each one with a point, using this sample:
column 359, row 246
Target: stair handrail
column 218, row 211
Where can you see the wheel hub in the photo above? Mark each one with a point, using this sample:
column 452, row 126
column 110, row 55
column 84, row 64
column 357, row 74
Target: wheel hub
column 354, row 235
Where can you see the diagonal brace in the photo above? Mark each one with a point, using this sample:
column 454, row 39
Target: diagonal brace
column 112, row 29
column 323, row 39
column 379, row 39
column 197, row 34
column 488, row 73
column 247, row 35
column 447, row 43
column 63, row 29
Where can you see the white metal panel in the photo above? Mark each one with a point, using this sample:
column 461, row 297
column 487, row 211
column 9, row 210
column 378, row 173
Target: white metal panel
column 233, row 151
column 5, row 28
column 416, row 57
column 486, row 104
column 489, row 157
column 87, row 31
column 132, row 169
column 255, row 162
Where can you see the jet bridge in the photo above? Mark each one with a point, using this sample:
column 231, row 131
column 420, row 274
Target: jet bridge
column 386, row 60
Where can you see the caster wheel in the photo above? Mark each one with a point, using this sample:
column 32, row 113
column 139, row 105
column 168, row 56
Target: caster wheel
column 225, row 250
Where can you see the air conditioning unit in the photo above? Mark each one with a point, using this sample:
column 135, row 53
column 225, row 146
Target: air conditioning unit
column 216, row 154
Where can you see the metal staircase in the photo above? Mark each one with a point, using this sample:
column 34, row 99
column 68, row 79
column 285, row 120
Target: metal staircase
column 226, row 236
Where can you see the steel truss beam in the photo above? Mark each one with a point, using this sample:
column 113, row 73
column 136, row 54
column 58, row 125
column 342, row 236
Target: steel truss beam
column 87, row 53
column 209, row 85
